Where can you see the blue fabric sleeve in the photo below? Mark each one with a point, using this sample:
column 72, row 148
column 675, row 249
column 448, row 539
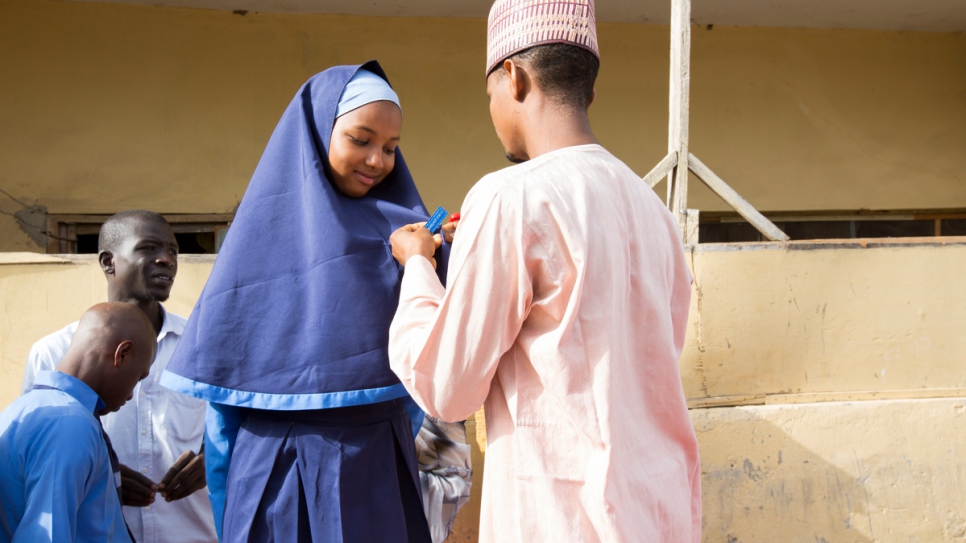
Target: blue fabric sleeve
column 221, row 428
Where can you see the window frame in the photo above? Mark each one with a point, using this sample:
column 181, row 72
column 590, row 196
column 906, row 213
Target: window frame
column 63, row 228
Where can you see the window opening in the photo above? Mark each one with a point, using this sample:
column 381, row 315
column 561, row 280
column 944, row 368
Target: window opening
column 195, row 233
column 729, row 227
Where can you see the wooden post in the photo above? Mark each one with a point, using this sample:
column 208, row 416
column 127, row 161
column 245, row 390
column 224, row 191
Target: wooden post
column 679, row 161
column 691, row 229
column 678, row 105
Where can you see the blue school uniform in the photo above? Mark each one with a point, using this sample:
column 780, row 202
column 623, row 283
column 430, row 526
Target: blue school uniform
column 309, row 434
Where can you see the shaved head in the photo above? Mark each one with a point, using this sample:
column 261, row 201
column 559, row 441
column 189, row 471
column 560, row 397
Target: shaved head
column 119, row 227
column 105, row 325
column 112, row 349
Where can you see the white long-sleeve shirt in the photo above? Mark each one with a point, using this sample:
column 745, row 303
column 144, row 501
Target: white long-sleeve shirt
column 148, row 433
column 565, row 309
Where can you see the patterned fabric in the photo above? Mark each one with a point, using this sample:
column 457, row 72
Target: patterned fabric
column 445, row 473
column 515, row 25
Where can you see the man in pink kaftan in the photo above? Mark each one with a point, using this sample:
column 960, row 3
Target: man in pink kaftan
column 564, row 314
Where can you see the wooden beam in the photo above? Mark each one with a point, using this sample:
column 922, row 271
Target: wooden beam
column 678, row 105
column 735, row 200
column 663, row 168
column 691, row 228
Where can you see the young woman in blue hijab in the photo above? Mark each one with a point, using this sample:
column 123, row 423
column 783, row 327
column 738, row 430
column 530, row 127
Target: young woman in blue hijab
column 309, row 435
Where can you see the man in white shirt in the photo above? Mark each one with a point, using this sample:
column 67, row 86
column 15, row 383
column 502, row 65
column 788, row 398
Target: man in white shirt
column 157, row 433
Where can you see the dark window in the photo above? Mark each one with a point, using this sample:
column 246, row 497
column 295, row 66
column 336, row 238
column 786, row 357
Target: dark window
column 894, row 229
column 818, row 229
column 953, row 227
column 196, row 234
column 731, row 228
column 86, row 244
column 727, row 232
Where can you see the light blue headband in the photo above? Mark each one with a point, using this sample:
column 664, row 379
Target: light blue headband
column 364, row 88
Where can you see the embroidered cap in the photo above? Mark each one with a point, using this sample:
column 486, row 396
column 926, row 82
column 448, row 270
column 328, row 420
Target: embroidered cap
column 515, row 25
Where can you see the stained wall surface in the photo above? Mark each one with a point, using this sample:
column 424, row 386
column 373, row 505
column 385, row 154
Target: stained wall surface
column 826, row 382
column 109, row 107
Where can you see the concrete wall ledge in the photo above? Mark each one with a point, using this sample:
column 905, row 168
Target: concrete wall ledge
column 818, row 397
column 823, row 244
column 7, row 259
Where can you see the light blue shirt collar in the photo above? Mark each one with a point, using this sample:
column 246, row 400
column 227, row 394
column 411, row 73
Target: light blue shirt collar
column 73, row 386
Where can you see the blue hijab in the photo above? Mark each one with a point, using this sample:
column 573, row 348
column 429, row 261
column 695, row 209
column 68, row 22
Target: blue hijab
column 296, row 312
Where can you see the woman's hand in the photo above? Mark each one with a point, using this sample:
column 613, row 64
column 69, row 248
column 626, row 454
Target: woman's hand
column 414, row 240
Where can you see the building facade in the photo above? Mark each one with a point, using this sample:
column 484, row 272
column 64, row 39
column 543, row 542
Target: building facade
column 825, row 378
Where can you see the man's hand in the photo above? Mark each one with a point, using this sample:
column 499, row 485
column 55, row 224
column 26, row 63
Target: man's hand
column 184, row 478
column 136, row 489
column 414, row 240
column 449, row 230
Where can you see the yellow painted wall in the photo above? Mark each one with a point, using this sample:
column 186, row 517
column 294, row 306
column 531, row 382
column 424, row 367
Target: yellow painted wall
column 873, row 471
column 40, row 294
column 850, row 354
column 773, row 321
column 109, row 107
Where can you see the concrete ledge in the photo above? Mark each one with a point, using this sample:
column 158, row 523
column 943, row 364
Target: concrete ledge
column 824, row 244
column 30, row 258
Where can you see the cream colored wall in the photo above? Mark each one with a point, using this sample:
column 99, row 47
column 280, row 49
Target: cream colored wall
column 848, row 358
column 801, row 323
column 40, row 294
column 108, row 107
column 861, row 472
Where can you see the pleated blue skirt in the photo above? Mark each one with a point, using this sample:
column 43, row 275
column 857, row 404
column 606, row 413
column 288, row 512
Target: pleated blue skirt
column 332, row 475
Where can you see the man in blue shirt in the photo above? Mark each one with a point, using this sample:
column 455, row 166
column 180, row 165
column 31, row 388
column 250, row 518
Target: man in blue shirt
column 56, row 480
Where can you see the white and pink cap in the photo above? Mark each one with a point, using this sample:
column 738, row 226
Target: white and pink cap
column 515, row 25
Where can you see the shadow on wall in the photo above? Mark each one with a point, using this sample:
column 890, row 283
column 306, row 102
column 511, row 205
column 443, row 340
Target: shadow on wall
column 837, row 472
column 763, row 486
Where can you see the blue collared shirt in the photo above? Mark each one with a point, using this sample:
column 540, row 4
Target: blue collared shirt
column 56, row 482
column 148, row 434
